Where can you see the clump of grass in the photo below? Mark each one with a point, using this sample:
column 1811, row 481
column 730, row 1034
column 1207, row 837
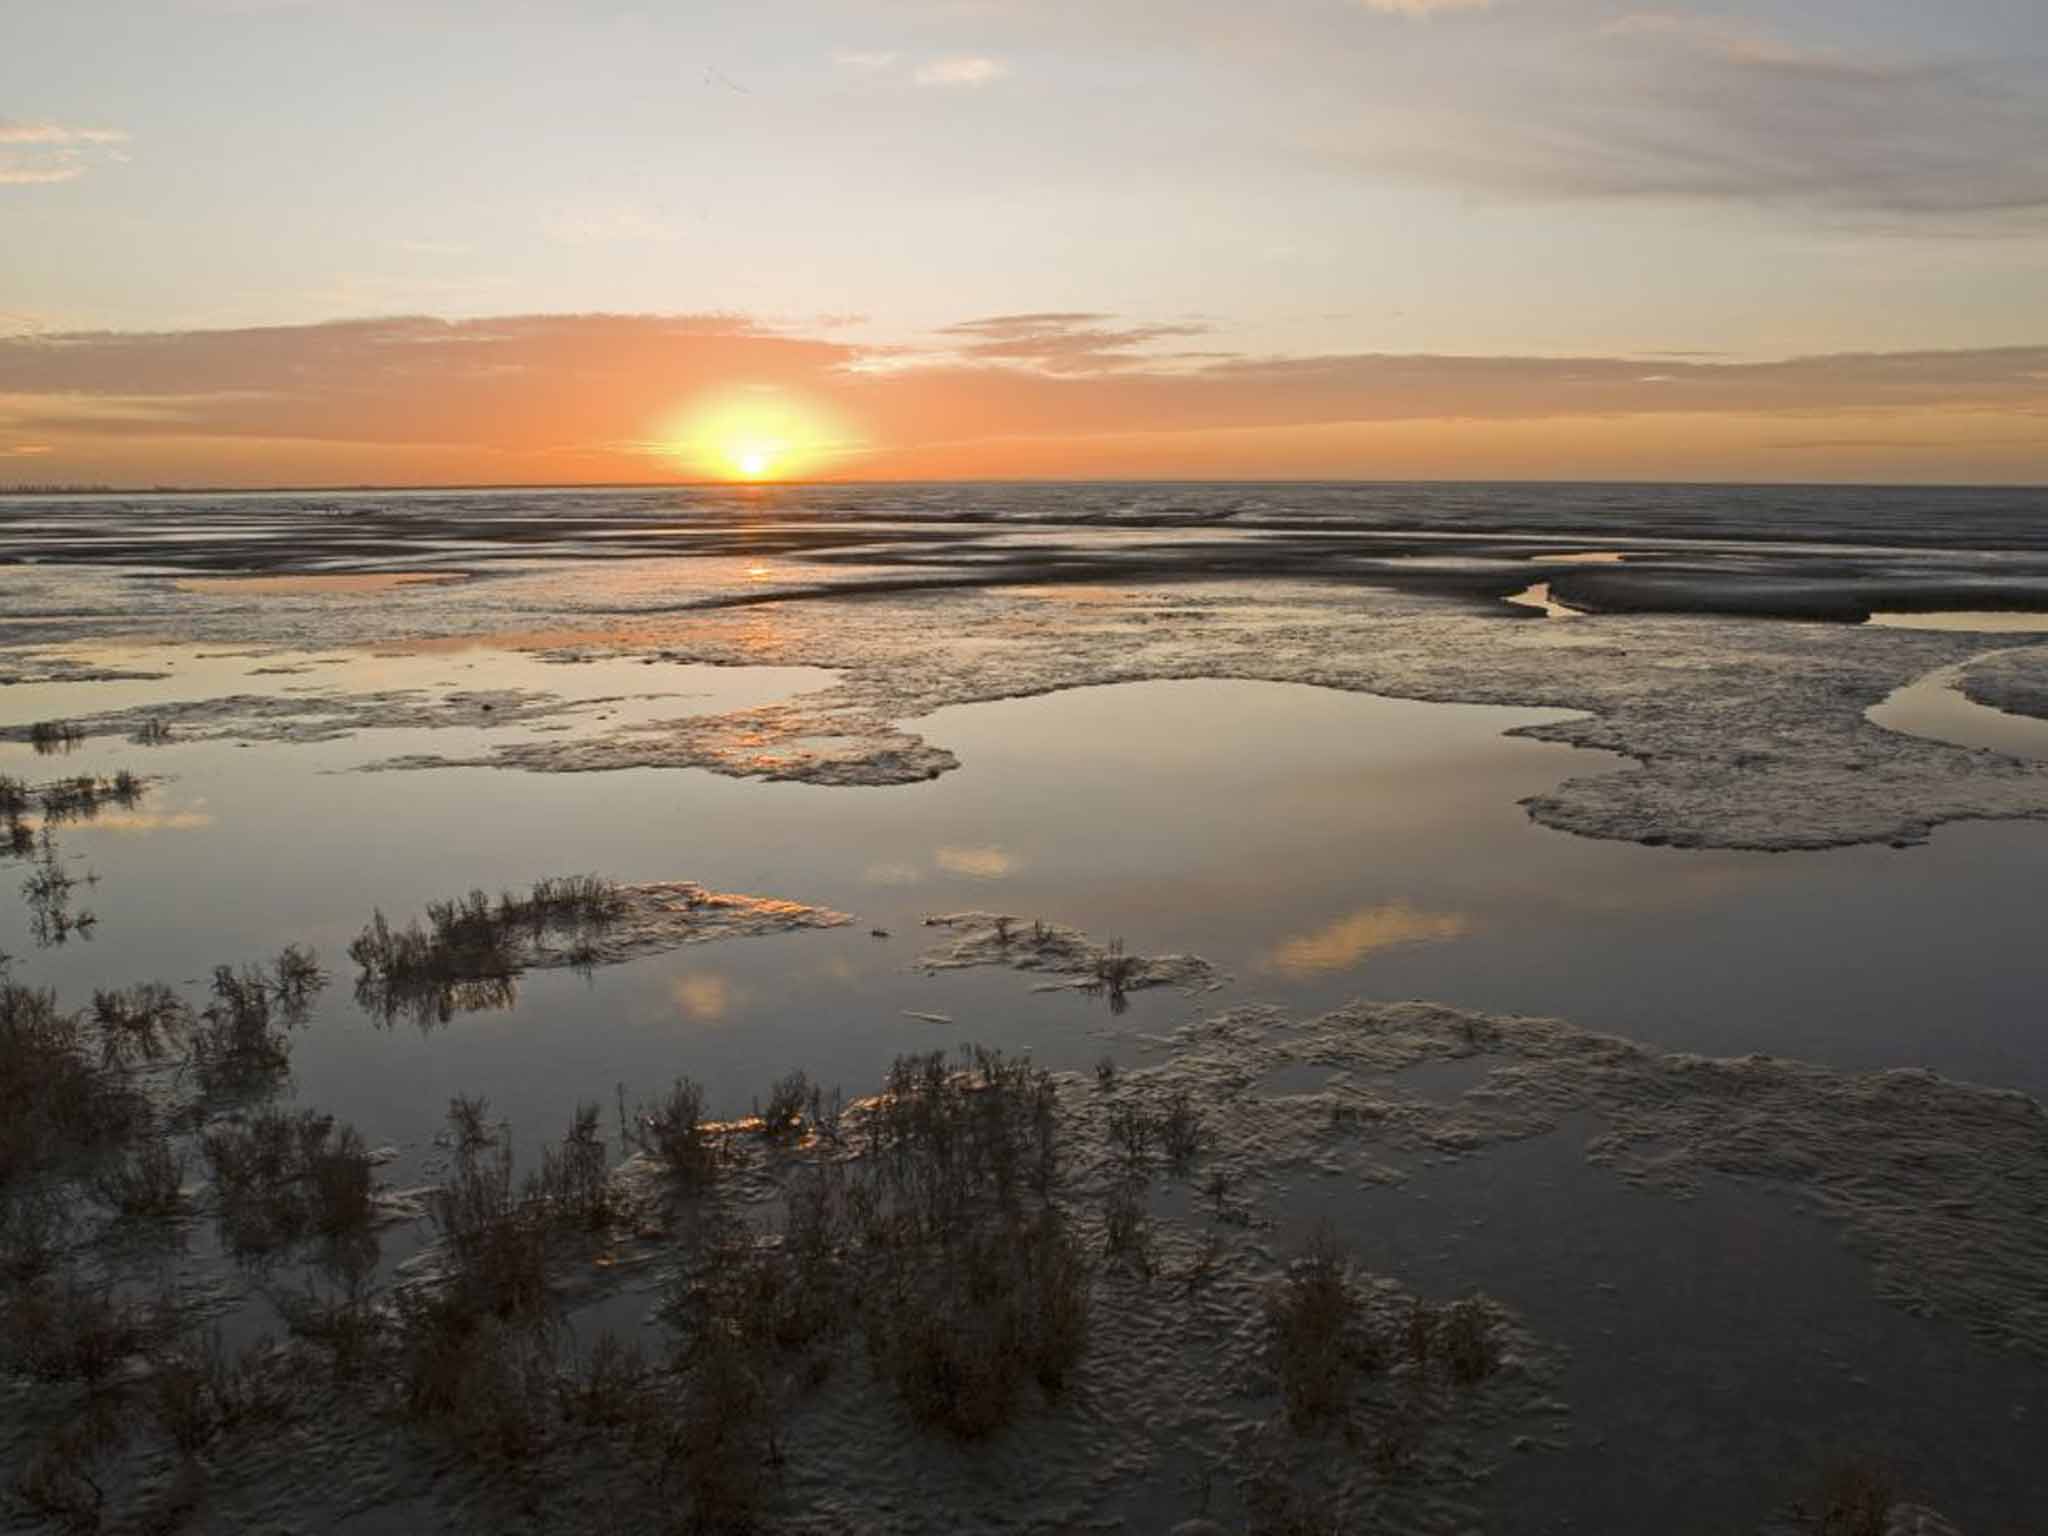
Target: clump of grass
column 469, row 1119
column 1105, row 1072
column 1127, row 1229
column 57, row 1101
column 47, row 890
column 14, row 798
column 464, row 955
column 198, row 1391
column 1466, row 1334
column 243, row 1038
column 783, row 1116
column 1130, row 1132
column 153, row 732
column 1180, row 1130
column 64, row 1330
column 48, row 736
column 137, row 1026
column 1316, row 1333
column 64, row 1481
column 144, row 1183
column 1111, row 972
column 673, row 1132
column 282, row 1178
column 574, row 1181
column 958, row 1338
column 80, row 798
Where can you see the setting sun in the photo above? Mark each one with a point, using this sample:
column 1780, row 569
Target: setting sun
column 753, row 434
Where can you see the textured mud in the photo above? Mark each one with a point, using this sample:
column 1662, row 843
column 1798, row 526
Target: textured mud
column 1744, row 734
column 1064, row 956
column 2015, row 681
column 325, row 714
column 1941, row 1186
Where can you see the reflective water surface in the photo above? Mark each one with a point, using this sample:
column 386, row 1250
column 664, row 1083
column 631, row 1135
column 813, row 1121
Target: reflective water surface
column 1314, row 845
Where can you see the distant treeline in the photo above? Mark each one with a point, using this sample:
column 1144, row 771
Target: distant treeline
column 57, row 490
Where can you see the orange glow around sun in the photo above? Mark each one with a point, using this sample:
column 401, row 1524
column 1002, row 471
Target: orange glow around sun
column 752, row 435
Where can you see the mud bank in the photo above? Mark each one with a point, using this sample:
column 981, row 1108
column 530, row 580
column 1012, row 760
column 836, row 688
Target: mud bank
column 1744, row 734
column 1063, row 955
column 2015, row 681
column 1941, row 1186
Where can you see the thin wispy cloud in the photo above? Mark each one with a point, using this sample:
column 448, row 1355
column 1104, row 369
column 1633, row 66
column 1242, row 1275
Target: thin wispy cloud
column 1065, row 342
column 42, row 153
column 963, row 70
column 1706, row 110
column 15, row 131
column 865, row 61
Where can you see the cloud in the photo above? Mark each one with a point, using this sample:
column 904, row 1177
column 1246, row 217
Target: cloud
column 42, row 153
column 591, row 396
column 1676, row 107
column 962, row 70
column 17, row 172
column 15, row 131
column 865, row 62
column 1063, row 342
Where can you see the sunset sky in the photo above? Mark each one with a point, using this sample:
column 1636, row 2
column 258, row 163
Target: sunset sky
column 306, row 241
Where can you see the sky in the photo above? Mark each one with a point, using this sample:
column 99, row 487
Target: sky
column 536, row 241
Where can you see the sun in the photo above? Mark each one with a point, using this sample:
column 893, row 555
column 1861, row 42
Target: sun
column 753, row 462
column 752, row 434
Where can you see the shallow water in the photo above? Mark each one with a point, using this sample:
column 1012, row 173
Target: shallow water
column 1986, row 622
column 1315, row 845
column 1936, row 707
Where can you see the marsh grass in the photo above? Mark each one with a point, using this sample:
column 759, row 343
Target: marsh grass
column 1316, row 1333
column 465, row 954
column 198, row 1390
column 81, row 797
column 64, row 1480
column 58, row 1103
column 284, row 1177
column 242, row 1041
column 782, row 1118
column 674, row 1133
column 48, row 736
column 1465, row 1334
column 65, row 1329
column 138, row 1026
column 153, row 732
column 143, row 1183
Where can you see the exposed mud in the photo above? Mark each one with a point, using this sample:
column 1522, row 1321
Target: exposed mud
column 1745, row 734
column 1941, row 1186
column 2015, row 681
